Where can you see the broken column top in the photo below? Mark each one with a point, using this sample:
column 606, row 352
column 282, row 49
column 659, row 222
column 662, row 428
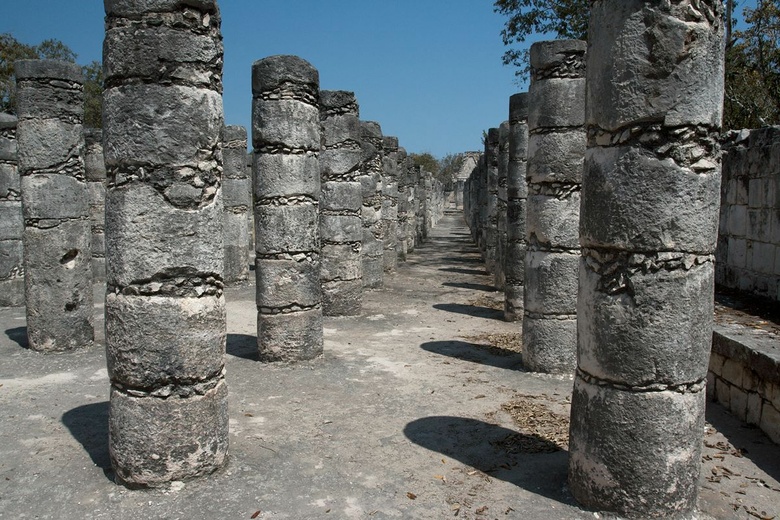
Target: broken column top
column 275, row 71
column 338, row 102
column 518, row 107
column 492, row 137
column 565, row 55
column 371, row 129
column 234, row 133
column 390, row 143
column 137, row 7
column 48, row 69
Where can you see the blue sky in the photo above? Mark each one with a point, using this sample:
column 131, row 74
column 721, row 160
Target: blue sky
column 429, row 71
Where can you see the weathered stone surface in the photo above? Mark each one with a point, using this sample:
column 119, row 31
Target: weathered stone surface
column 155, row 441
column 290, row 337
column 343, row 297
column 548, row 287
column 286, row 136
column 155, row 343
column 557, row 156
column 165, row 313
column 237, row 196
column 54, row 196
column 550, row 220
column 58, row 286
column 341, row 196
column 542, row 338
column 11, row 221
column 655, row 478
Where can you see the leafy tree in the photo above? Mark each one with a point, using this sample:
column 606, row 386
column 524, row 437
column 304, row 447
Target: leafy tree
column 450, row 166
column 427, row 161
column 11, row 50
column 93, row 95
column 752, row 97
column 564, row 18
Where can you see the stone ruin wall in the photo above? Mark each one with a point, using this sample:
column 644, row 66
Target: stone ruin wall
column 748, row 253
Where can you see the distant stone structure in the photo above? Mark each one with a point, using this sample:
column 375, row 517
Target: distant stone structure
column 237, row 199
column 372, row 169
column 11, row 221
column 95, row 168
column 648, row 227
column 556, row 149
column 286, row 140
column 517, row 195
column 165, row 308
column 341, row 203
column 390, row 203
column 55, row 205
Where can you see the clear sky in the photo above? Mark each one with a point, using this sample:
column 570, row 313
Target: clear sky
column 429, row 71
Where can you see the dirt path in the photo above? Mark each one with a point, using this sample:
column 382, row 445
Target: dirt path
column 420, row 408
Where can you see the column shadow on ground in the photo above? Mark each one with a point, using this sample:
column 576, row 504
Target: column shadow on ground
column 242, row 346
column 460, row 270
column 88, row 424
column 471, row 310
column 18, row 335
column 472, row 286
column 496, row 451
column 461, row 259
column 476, row 353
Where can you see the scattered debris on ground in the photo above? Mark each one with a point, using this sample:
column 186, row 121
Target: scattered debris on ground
column 541, row 429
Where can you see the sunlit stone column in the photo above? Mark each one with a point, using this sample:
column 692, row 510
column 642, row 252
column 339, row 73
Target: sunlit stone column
column 165, row 310
column 556, row 149
column 55, row 205
column 517, row 194
column 237, row 201
column 286, row 139
column 11, row 221
column 499, row 276
column 648, row 229
column 491, row 199
column 390, row 203
column 370, row 178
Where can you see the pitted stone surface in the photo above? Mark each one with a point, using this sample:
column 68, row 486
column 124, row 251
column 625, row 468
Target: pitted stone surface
column 390, row 173
column 371, row 185
column 11, row 222
column 286, row 136
column 165, row 310
column 55, row 206
column 237, row 196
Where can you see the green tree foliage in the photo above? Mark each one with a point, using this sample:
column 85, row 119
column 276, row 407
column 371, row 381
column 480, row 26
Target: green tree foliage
column 450, row 165
column 426, row 160
column 752, row 97
column 563, row 18
column 11, row 50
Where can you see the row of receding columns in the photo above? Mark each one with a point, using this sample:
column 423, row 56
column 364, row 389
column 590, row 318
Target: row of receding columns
column 620, row 223
column 169, row 196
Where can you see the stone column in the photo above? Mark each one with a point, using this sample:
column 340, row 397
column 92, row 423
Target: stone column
column 491, row 199
column 286, row 171
column 250, row 215
column 165, row 309
column 390, row 203
column 236, row 193
column 556, row 148
column 517, row 194
column 499, row 276
column 341, row 203
column 371, row 215
column 95, row 168
column 648, row 230
column 403, row 204
column 55, row 205
column 11, row 221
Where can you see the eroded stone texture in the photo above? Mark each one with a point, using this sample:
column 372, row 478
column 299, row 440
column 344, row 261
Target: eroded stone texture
column 404, row 192
column 341, row 203
column 648, row 232
column 286, row 140
column 556, row 147
column 517, row 195
column 499, row 276
column 95, row 168
column 370, row 179
column 55, row 205
column 11, row 221
column 237, row 197
column 390, row 203
column 490, row 221
column 165, row 308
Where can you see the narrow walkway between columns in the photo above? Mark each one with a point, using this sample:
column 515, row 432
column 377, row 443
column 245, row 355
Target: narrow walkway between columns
column 409, row 414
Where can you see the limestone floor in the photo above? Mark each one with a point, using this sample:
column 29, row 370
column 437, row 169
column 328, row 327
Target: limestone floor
column 401, row 418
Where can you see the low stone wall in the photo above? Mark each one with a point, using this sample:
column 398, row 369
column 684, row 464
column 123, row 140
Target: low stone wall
column 744, row 376
column 748, row 255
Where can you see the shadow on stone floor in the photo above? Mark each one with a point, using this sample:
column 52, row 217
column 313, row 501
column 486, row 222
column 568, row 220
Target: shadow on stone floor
column 460, row 270
column 471, row 310
column 472, row 286
column 476, row 353
column 461, row 259
column 242, row 346
column 489, row 448
column 18, row 335
column 89, row 426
